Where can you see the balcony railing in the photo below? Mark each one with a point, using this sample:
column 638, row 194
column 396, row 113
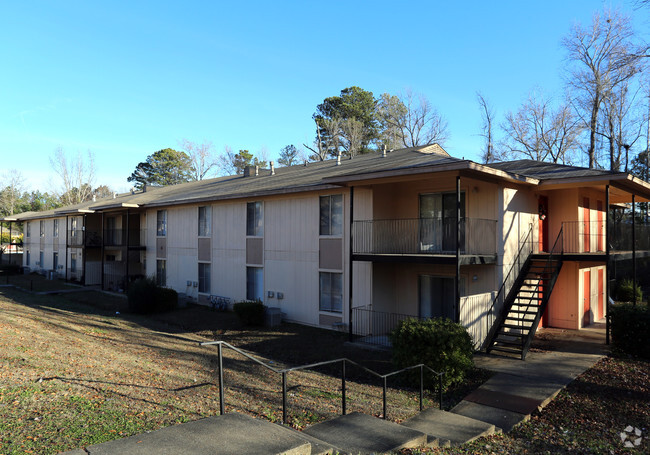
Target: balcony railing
column 118, row 237
column 424, row 236
column 373, row 327
column 590, row 237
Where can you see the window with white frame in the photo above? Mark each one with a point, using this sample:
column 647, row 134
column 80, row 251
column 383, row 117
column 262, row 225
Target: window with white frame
column 255, row 219
column 161, row 223
column 55, row 228
column 331, row 292
column 254, row 283
column 161, row 272
column 28, row 229
column 331, row 214
column 204, row 278
column 205, row 221
column 41, row 228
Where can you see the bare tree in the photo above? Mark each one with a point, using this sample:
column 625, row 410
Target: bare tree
column 390, row 108
column 539, row 132
column 202, row 157
column 600, row 58
column 225, row 161
column 11, row 192
column 77, row 176
column 354, row 134
column 487, row 129
column 320, row 153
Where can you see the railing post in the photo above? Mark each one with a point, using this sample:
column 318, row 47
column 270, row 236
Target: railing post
column 284, row 397
column 343, row 410
column 221, row 400
column 421, row 385
column 440, row 390
column 384, row 397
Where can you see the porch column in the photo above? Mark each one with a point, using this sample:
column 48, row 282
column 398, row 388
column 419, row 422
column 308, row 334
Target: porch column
column 607, row 264
column 458, row 227
column 102, row 236
column 351, row 336
column 126, row 282
column 634, row 249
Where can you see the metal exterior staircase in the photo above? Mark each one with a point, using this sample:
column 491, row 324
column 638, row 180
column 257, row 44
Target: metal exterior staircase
column 514, row 328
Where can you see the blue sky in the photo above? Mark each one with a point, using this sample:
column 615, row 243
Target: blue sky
column 124, row 80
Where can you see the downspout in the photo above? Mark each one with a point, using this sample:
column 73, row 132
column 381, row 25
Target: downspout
column 66, row 247
column 351, row 336
column 607, row 264
column 634, row 249
column 457, row 283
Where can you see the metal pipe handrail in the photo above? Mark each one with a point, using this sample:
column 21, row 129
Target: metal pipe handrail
column 343, row 360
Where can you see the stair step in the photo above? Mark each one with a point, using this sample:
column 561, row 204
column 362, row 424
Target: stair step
column 501, row 342
column 446, row 426
column 506, row 349
column 360, row 433
column 515, row 326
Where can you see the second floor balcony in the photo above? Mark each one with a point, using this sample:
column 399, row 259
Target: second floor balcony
column 426, row 237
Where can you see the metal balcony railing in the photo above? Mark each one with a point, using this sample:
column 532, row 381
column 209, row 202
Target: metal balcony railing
column 118, row 237
column 424, row 236
column 590, row 236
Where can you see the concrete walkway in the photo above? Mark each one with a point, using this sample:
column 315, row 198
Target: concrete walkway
column 517, row 389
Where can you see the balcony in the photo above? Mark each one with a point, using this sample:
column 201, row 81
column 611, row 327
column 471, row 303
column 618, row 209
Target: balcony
column 589, row 237
column 79, row 238
column 426, row 238
column 119, row 237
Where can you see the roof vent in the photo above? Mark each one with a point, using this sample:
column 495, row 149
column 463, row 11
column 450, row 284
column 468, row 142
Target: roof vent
column 338, row 159
column 94, row 198
column 305, row 163
column 114, row 195
column 383, row 151
column 272, row 168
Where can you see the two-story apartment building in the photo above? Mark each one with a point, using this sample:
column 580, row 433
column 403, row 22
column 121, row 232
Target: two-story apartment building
column 358, row 244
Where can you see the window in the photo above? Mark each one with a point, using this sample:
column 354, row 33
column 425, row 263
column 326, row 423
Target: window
column 73, row 261
column 331, row 292
column 331, row 215
column 254, row 219
column 55, row 260
column 254, row 283
column 41, row 228
column 41, row 260
column 438, row 222
column 27, row 257
column 437, row 296
column 73, row 227
column 161, row 223
column 29, row 229
column 205, row 221
column 55, row 228
column 161, row 272
column 204, row 278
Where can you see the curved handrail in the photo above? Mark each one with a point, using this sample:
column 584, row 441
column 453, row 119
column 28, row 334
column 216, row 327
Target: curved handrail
column 342, row 360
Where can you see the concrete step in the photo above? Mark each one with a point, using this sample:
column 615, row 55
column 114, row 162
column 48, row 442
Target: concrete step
column 231, row 433
column 358, row 433
column 449, row 428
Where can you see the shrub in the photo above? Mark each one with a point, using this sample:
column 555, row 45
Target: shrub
column 438, row 343
column 250, row 312
column 625, row 291
column 145, row 296
column 630, row 326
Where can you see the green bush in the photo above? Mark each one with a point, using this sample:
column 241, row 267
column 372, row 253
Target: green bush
column 630, row 326
column 145, row 296
column 250, row 312
column 625, row 291
column 438, row 343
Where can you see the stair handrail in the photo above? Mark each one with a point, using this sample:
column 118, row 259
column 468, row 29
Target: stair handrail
column 502, row 293
column 342, row 360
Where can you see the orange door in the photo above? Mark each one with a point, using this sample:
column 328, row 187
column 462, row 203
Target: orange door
column 601, row 294
column 601, row 230
column 585, row 222
column 586, row 298
column 543, row 223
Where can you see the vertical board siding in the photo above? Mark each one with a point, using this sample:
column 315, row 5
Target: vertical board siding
column 475, row 316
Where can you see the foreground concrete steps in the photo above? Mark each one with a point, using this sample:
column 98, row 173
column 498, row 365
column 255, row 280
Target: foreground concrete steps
column 447, row 428
column 232, row 433
column 358, row 433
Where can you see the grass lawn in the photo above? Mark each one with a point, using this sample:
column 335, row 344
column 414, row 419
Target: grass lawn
column 74, row 372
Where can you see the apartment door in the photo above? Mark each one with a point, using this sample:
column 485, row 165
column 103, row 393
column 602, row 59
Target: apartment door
column 586, row 223
column 601, row 227
column 586, row 298
column 437, row 297
column 543, row 224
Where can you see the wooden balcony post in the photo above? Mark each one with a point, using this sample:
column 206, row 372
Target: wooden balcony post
column 607, row 208
column 457, row 281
